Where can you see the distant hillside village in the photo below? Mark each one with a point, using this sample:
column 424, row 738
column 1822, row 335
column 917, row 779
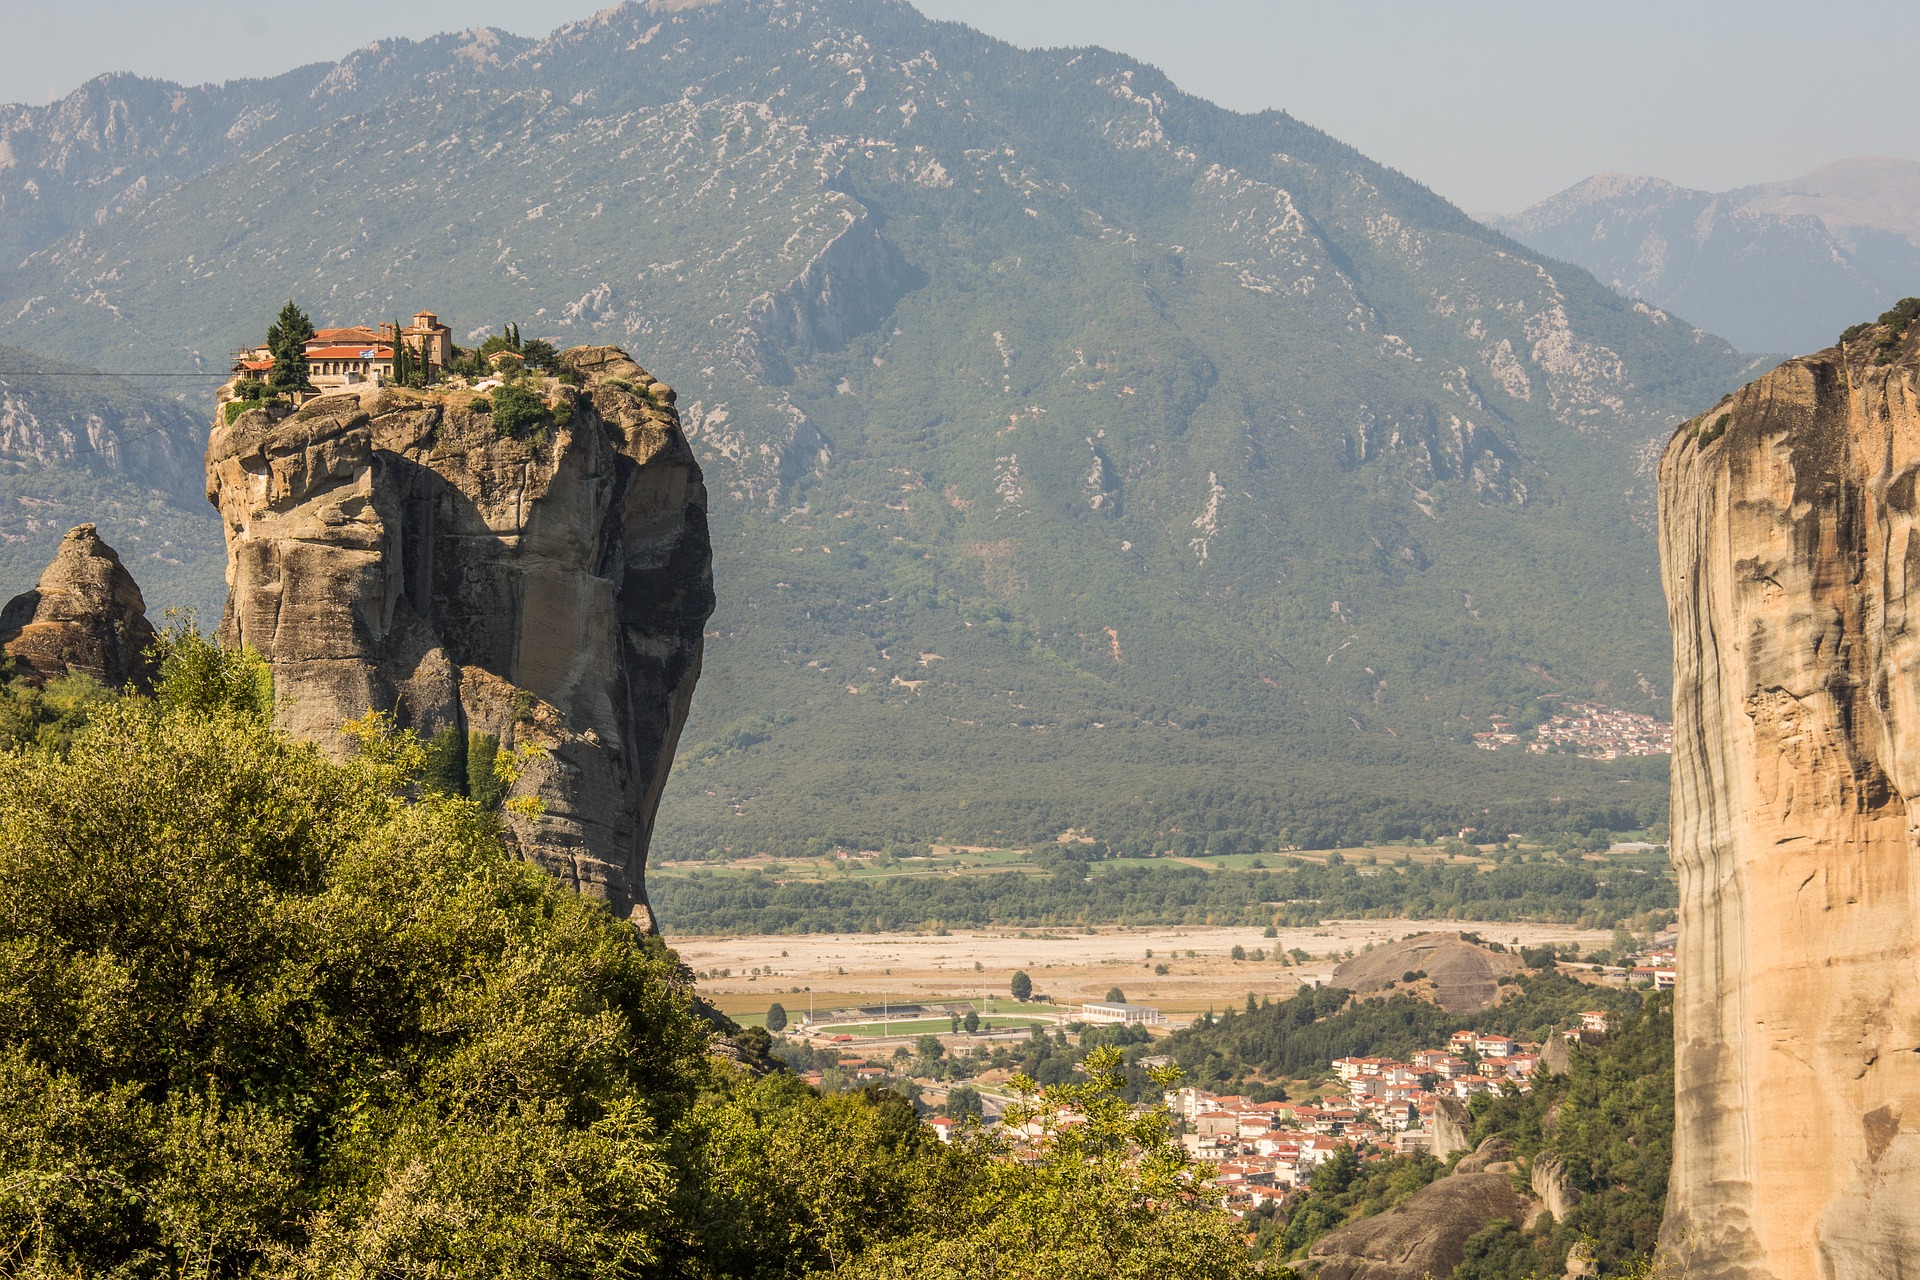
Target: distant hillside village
column 1586, row 729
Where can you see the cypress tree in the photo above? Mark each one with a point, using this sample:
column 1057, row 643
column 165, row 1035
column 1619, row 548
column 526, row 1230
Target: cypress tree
column 287, row 339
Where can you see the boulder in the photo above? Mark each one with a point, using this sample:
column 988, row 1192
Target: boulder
column 540, row 593
column 86, row 615
column 1790, row 550
column 1424, row 1235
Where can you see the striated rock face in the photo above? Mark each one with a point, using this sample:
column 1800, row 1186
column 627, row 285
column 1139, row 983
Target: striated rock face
column 392, row 550
column 1792, row 565
column 1426, row 1234
column 1452, row 1127
column 86, row 616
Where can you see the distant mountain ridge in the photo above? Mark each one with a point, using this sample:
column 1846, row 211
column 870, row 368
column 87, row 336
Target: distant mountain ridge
column 1083, row 454
column 1781, row 266
column 77, row 447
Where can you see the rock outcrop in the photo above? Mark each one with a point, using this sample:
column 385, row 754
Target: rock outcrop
column 85, row 616
column 1791, row 556
column 1452, row 1127
column 1462, row 977
column 1426, row 1234
column 1552, row 1187
column 543, row 588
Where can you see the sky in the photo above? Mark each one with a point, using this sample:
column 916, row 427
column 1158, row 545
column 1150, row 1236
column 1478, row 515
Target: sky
column 1494, row 105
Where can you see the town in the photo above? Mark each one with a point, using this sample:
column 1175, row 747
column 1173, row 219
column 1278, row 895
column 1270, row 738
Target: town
column 1585, row 729
column 1255, row 1151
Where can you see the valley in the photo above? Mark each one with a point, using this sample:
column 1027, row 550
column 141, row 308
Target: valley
column 1243, row 533
column 863, row 969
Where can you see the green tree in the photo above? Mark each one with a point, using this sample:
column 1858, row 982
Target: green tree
column 1112, row 1195
column 516, row 410
column 928, row 1047
column 1021, row 986
column 287, row 339
column 963, row 1100
column 971, row 1023
column 1116, row 996
column 776, row 1017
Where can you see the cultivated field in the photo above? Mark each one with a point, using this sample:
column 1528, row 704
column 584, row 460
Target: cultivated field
column 855, row 969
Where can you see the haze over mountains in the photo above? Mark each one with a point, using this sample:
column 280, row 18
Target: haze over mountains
column 1781, row 266
column 1083, row 454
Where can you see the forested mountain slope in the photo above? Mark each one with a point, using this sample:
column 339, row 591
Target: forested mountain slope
column 1084, row 454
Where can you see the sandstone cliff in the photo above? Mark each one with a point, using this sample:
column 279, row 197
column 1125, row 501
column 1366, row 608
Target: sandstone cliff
column 1792, row 566
column 85, row 616
column 391, row 549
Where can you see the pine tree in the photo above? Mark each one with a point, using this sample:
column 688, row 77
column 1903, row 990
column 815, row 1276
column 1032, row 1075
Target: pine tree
column 287, row 339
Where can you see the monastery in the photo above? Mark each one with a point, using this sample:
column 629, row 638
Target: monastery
column 358, row 354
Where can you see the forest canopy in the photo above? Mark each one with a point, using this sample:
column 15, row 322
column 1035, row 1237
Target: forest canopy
column 264, row 1014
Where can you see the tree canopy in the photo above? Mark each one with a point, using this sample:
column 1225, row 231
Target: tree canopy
column 264, row 1014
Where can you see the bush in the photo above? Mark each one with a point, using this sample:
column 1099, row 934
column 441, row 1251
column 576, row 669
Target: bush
column 517, row 410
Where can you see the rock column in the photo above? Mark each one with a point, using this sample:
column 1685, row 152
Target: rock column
column 1792, row 566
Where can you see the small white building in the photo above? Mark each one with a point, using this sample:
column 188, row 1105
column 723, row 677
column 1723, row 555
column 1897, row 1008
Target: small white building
column 1131, row 1014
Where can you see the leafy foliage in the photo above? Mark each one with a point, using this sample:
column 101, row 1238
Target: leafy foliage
column 1609, row 1121
column 517, row 410
column 1156, row 891
column 1104, row 1191
column 1340, row 1190
column 1300, row 1036
column 266, row 1015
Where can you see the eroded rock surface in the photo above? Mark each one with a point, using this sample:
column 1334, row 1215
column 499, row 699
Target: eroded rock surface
column 391, row 550
column 1462, row 977
column 85, row 615
column 1426, row 1234
column 1792, row 568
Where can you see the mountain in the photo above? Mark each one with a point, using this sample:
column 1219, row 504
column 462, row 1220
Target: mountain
column 1083, row 455
column 1782, row 266
column 77, row 447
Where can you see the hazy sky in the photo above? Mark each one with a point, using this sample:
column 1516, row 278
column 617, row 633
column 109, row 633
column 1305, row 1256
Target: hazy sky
column 1494, row 105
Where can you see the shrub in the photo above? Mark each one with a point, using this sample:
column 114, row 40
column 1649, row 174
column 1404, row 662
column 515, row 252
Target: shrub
column 517, row 410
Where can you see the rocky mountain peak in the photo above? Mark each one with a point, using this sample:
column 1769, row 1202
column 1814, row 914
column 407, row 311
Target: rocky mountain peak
column 85, row 616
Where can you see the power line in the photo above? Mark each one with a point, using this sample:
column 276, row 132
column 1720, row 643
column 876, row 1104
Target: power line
column 62, row 373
